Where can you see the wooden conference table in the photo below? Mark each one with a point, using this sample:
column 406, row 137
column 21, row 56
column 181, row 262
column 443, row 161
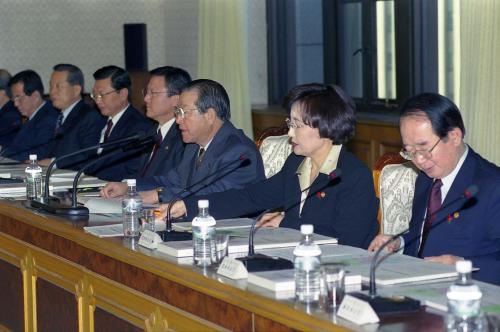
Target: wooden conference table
column 56, row 277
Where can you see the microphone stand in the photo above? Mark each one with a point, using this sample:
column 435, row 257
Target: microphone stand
column 260, row 262
column 386, row 305
column 74, row 209
column 171, row 235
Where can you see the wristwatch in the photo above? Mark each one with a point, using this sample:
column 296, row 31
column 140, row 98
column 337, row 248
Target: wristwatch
column 159, row 192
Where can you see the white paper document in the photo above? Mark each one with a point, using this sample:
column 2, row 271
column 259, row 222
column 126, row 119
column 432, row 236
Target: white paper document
column 102, row 205
column 264, row 238
column 105, row 230
column 221, row 224
column 284, row 280
column 394, row 269
column 434, row 294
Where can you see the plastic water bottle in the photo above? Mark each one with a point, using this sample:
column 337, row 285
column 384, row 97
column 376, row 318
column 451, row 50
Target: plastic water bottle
column 34, row 188
column 203, row 226
column 131, row 210
column 307, row 262
column 464, row 302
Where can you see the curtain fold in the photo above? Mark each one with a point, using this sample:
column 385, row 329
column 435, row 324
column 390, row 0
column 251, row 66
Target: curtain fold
column 222, row 54
column 480, row 75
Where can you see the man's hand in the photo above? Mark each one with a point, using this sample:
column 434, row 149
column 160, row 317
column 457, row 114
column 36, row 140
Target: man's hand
column 381, row 239
column 177, row 210
column 444, row 259
column 44, row 162
column 113, row 189
column 149, row 196
column 272, row 219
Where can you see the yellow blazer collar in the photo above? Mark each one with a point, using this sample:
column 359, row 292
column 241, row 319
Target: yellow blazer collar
column 330, row 164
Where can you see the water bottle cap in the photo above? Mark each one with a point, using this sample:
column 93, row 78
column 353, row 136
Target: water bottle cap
column 203, row 203
column 306, row 229
column 33, row 157
column 463, row 266
column 131, row 182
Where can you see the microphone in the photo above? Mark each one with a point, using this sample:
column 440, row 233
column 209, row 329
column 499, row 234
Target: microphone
column 170, row 234
column 390, row 305
column 259, row 262
column 140, row 136
column 137, row 136
column 74, row 209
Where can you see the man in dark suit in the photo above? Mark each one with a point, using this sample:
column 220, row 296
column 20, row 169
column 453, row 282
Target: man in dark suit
column 161, row 97
column 38, row 131
column 445, row 226
column 79, row 125
column 213, row 159
column 321, row 120
column 111, row 94
column 10, row 118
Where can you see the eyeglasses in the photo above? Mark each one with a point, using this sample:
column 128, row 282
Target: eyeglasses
column 146, row 92
column 181, row 112
column 290, row 124
column 16, row 98
column 426, row 154
column 100, row 95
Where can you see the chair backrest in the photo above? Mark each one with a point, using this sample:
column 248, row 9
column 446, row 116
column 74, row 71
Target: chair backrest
column 271, row 131
column 274, row 151
column 396, row 188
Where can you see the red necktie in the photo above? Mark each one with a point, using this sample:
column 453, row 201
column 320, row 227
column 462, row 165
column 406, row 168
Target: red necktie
column 433, row 207
column 156, row 147
column 109, row 125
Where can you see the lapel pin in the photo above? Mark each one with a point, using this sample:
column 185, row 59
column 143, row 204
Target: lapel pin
column 320, row 194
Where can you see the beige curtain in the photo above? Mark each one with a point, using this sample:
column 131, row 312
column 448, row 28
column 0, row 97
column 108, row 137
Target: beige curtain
column 479, row 97
column 222, row 54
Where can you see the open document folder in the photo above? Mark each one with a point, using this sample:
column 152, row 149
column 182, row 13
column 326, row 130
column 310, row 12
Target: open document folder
column 394, row 269
column 57, row 183
column 238, row 241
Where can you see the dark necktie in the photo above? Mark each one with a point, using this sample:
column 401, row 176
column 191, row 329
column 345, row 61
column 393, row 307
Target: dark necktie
column 156, row 148
column 201, row 153
column 109, row 125
column 433, row 207
column 59, row 124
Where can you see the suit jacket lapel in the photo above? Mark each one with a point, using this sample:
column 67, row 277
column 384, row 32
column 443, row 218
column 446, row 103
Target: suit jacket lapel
column 463, row 179
column 211, row 154
column 164, row 150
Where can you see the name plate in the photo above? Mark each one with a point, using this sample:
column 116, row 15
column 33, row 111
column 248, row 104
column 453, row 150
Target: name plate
column 149, row 239
column 232, row 268
column 357, row 311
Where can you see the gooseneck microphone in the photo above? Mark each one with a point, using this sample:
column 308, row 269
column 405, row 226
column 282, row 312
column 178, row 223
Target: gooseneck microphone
column 388, row 305
column 135, row 141
column 259, row 262
column 221, row 172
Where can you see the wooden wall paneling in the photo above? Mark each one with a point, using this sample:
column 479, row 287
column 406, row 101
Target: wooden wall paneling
column 371, row 141
column 11, row 306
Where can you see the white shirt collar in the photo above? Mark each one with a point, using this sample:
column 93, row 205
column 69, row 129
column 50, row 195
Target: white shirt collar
column 166, row 127
column 117, row 116
column 448, row 179
column 68, row 110
column 206, row 146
